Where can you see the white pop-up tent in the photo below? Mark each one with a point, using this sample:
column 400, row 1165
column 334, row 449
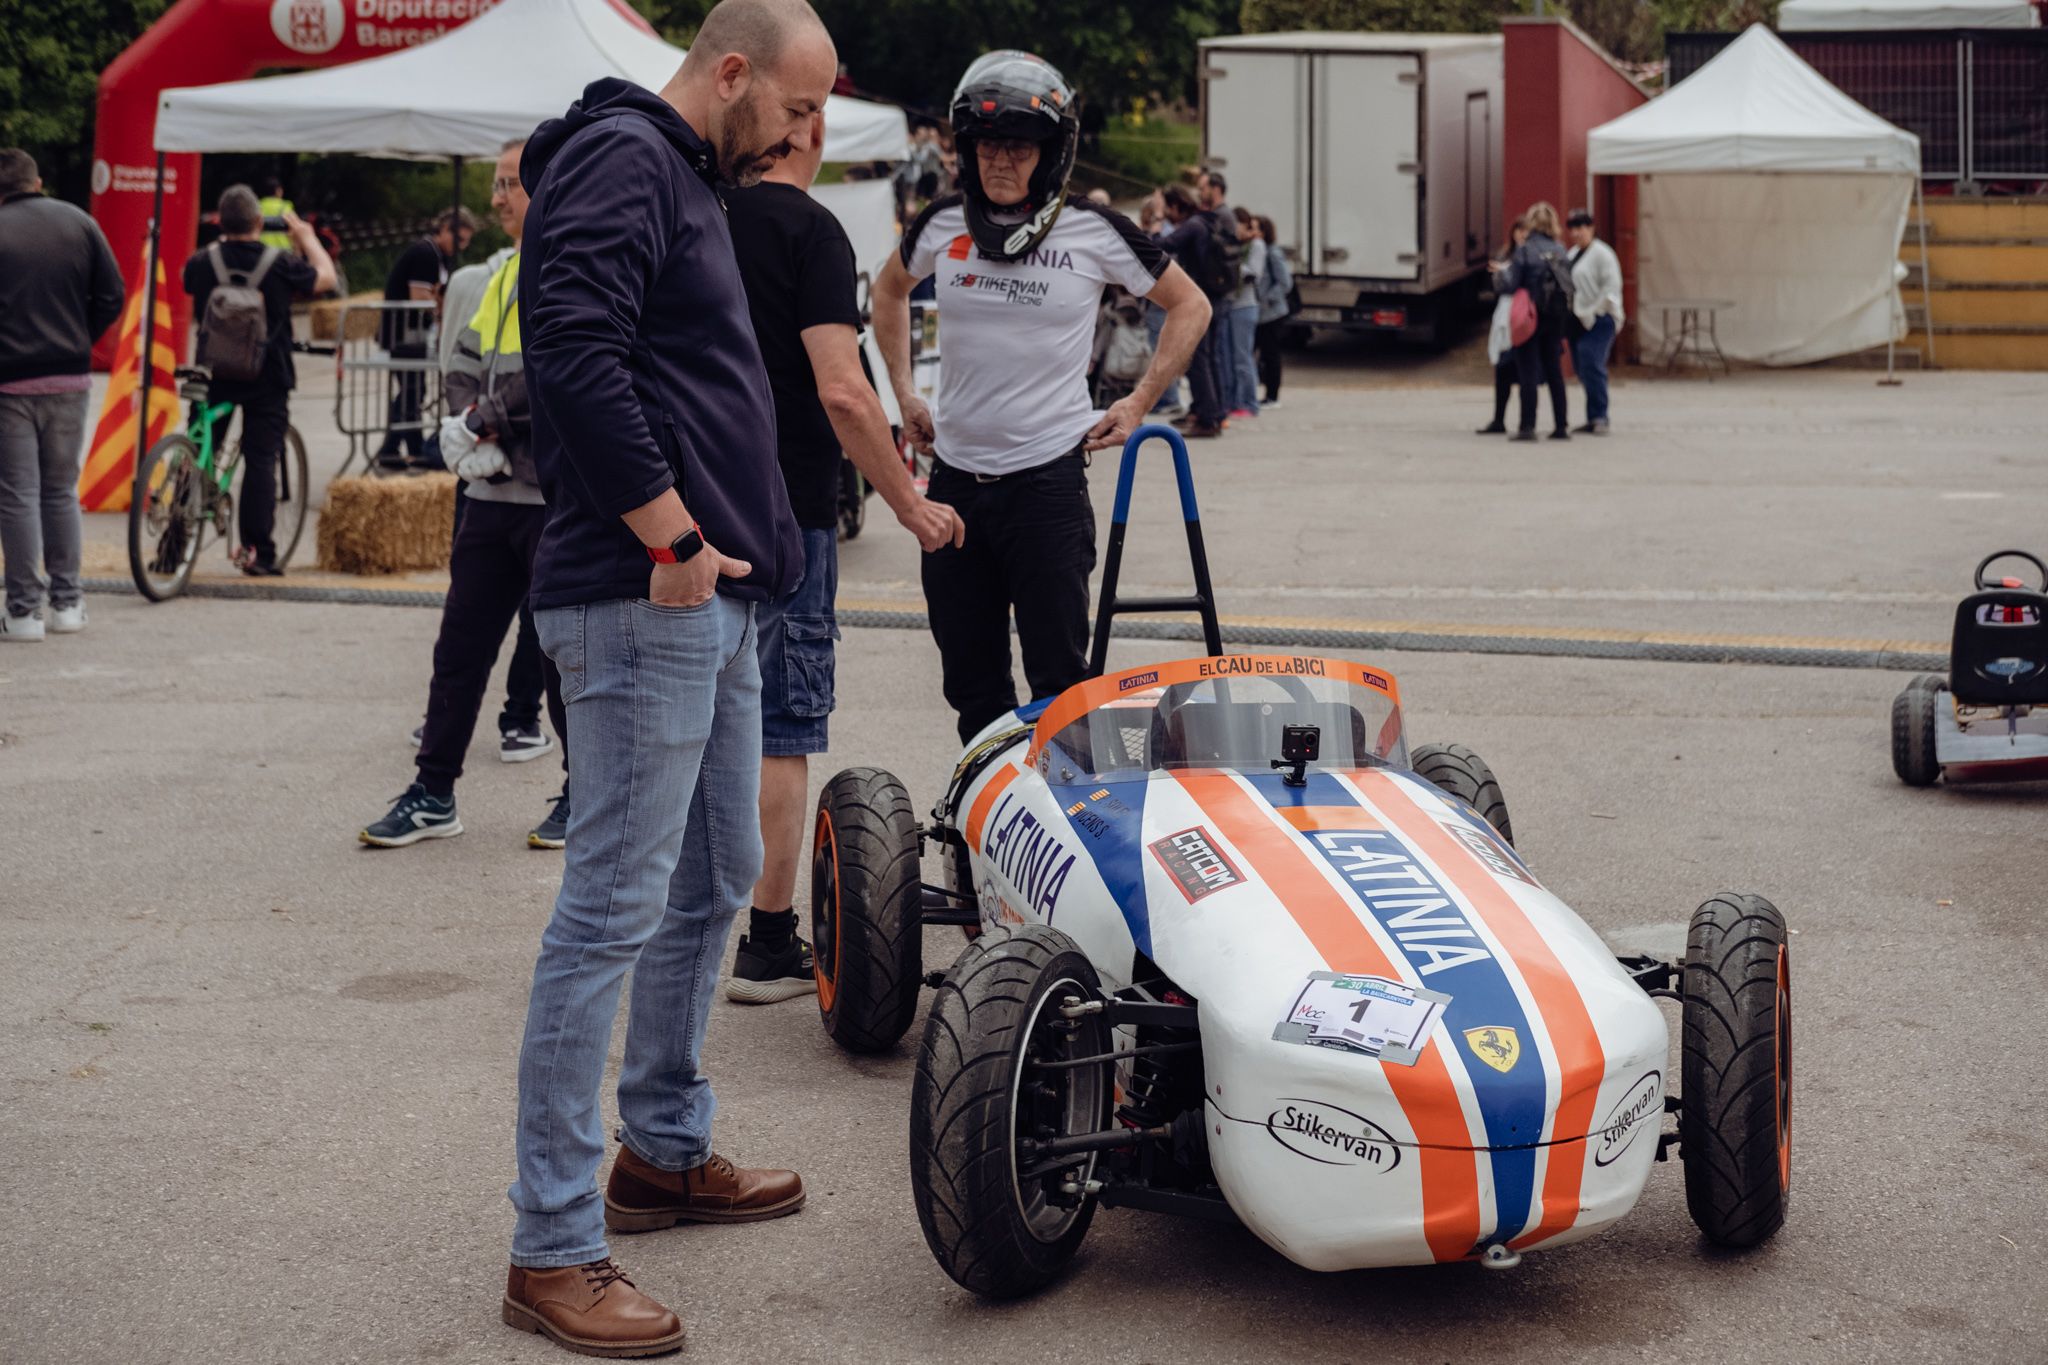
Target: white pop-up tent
column 468, row 92
column 1864, row 16
column 1764, row 185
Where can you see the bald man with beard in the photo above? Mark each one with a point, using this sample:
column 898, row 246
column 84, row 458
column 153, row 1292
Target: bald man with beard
column 668, row 529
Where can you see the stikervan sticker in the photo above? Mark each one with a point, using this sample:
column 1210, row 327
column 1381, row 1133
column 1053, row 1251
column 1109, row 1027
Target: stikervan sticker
column 1332, row 1135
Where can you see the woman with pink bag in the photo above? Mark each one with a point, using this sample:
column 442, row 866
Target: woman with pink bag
column 1540, row 273
column 1500, row 339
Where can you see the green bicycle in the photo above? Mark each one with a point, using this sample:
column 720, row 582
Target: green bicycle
column 186, row 481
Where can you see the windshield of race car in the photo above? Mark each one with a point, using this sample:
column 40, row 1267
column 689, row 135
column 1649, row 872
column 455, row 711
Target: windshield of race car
column 1228, row 722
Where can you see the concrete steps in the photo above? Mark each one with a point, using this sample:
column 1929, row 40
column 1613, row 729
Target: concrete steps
column 1986, row 295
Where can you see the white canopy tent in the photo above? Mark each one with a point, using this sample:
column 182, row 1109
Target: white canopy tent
column 1864, row 16
column 1764, row 185
column 468, row 92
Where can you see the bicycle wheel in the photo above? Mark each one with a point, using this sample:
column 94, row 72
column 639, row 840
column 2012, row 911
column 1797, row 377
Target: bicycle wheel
column 165, row 518
column 294, row 490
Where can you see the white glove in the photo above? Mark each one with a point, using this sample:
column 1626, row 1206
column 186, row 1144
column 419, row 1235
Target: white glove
column 482, row 462
column 457, row 440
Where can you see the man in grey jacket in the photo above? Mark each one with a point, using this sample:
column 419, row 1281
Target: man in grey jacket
column 59, row 289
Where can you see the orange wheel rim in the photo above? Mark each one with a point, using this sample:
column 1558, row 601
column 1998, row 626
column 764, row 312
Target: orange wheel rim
column 828, row 976
column 1783, row 1067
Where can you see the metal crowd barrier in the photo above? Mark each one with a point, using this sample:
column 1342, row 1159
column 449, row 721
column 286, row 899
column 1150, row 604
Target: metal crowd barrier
column 387, row 378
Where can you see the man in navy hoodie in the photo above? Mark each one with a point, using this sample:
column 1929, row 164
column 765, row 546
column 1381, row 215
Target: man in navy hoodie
column 668, row 526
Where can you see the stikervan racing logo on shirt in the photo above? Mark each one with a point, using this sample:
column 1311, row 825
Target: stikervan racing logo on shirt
column 1031, row 293
column 1199, row 868
column 1332, row 1136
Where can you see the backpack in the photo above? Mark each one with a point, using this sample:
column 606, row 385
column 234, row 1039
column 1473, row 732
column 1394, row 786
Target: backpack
column 1552, row 287
column 235, row 333
column 1223, row 260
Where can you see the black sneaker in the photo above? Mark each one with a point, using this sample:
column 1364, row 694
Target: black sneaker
column 761, row 978
column 552, row 832
column 417, row 816
column 520, row 746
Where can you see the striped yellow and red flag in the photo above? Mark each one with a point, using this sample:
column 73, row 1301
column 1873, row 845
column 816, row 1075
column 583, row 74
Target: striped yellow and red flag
column 104, row 484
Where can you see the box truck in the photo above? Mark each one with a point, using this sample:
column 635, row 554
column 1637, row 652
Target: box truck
column 1378, row 158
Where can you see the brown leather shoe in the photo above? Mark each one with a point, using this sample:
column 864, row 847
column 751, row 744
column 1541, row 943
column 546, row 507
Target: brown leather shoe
column 642, row 1198
column 593, row 1310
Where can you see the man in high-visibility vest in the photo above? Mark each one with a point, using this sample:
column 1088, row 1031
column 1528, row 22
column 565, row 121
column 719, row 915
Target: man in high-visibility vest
column 274, row 205
column 485, row 440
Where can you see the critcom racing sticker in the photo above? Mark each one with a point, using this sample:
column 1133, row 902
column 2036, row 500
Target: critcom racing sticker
column 1199, row 868
column 1369, row 1015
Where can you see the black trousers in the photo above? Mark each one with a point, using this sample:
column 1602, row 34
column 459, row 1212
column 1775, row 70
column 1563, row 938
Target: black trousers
column 265, row 415
column 1030, row 547
column 525, row 676
column 408, row 391
column 1503, row 385
column 1266, row 344
column 489, row 571
column 1540, row 360
column 1205, row 392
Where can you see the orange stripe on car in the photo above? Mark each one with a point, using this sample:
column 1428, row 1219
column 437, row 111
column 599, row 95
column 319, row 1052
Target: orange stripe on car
column 1306, row 818
column 1581, row 1062
column 977, row 814
column 1427, row 1094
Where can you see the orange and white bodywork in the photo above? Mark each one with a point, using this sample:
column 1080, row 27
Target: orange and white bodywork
column 1524, row 1106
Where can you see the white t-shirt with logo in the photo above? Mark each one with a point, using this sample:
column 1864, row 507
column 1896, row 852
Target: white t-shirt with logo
column 1016, row 336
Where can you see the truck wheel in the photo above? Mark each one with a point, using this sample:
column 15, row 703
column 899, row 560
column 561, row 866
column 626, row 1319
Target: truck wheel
column 1003, row 1216
column 1913, row 731
column 867, row 910
column 1465, row 775
column 1735, row 1098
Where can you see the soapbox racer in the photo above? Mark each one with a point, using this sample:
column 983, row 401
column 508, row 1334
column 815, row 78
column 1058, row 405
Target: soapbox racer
column 1987, row 721
column 1244, row 954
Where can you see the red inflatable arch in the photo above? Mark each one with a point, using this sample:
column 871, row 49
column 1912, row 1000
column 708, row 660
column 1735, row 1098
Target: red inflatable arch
column 204, row 42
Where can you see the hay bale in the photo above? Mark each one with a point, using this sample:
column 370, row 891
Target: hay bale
column 387, row 526
column 324, row 317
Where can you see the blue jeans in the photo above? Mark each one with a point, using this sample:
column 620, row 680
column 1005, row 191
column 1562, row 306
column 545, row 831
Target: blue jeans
column 1241, row 364
column 1589, row 357
column 795, row 639
column 664, row 848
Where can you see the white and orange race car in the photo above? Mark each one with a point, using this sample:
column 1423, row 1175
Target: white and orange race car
column 1241, row 953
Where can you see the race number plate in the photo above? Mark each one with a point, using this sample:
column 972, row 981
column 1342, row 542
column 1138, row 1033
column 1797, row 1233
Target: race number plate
column 1365, row 1014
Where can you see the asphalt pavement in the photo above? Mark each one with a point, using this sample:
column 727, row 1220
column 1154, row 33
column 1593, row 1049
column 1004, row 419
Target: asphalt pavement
column 257, row 1103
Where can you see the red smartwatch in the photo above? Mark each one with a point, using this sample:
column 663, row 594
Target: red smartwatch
column 679, row 550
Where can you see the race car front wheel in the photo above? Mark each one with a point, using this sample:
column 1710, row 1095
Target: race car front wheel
column 1464, row 774
column 867, row 910
column 1913, row 712
column 1735, row 1103
column 1009, row 1067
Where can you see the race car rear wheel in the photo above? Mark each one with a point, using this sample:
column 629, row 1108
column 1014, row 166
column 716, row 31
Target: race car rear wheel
column 1735, row 1105
column 1913, row 712
column 867, row 910
column 996, row 1082
column 1465, row 775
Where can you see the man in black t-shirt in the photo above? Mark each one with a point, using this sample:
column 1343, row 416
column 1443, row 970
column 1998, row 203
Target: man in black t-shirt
column 802, row 296
column 266, row 400
column 417, row 276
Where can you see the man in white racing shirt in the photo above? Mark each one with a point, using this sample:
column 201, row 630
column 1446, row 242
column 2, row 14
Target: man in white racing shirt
column 1020, row 271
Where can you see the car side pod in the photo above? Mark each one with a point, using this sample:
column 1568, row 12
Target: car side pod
column 1203, row 600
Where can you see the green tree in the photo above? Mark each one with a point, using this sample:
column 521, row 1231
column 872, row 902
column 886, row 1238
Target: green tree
column 913, row 51
column 51, row 55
